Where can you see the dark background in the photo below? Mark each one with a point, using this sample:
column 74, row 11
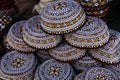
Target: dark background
column 114, row 15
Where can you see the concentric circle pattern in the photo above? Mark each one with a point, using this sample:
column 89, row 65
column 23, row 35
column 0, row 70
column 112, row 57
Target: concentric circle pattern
column 85, row 63
column 67, row 53
column 17, row 66
column 93, row 34
column 15, row 39
column 100, row 74
column 62, row 16
column 53, row 70
column 35, row 37
column 109, row 53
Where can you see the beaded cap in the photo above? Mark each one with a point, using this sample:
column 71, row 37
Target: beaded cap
column 93, row 34
column 6, row 44
column 98, row 12
column 85, row 63
column 65, row 52
column 115, row 68
column 17, row 66
column 53, row 70
column 94, row 3
column 43, row 55
column 62, row 16
column 4, row 21
column 100, row 74
column 35, row 37
column 109, row 53
column 15, row 40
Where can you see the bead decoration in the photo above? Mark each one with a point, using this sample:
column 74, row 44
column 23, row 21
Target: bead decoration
column 15, row 40
column 109, row 53
column 17, row 66
column 36, row 38
column 115, row 68
column 93, row 34
column 53, row 70
column 100, row 74
column 94, row 3
column 66, row 53
column 85, row 63
column 62, row 17
column 4, row 21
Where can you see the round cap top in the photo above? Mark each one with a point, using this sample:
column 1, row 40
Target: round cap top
column 62, row 16
column 100, row 74
column 14, row 63
column 53, row 70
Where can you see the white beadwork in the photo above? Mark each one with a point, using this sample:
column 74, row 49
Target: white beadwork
column 62, row 17
column 53, row 70
column 15, row 40
column 109, row 53
column 65, row 52
column 35, row 37
column 100, row 74
column 85, row 63
column 17, row 66
column 93, row 34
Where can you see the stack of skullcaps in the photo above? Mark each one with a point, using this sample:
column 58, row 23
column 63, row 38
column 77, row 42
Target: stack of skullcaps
column 62, row 17
column 109, row 53
column 15, row 40
column 67, row 53
column 97, row 73
column 93, row 34
column 36, row 38
column 16, row 66
column 96, row 8
column 54, row 70
column 25, row 36
column 41, row 5
column 85, row 63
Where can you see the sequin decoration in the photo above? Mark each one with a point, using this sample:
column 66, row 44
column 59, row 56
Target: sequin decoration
column 109, row 53
column 100, row 74
column 15, row 40
column 35, row 37
column 62, row 17
column 53, row 70
column 17, row 66
column 93, row 34
column 67, row 53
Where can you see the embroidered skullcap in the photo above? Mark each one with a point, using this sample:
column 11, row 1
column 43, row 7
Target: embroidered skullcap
column 17, row 66
column 62, row 16
column 36, row 38
column 93, row 34
column 109, row 53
